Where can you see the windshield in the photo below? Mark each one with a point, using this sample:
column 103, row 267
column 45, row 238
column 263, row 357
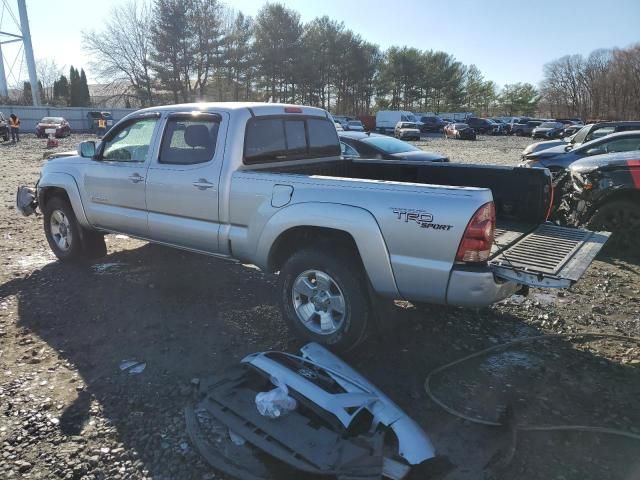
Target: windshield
column 390, row 144
column 408, row 125
column 550, row 125
column 51, row 120
column 354, row 123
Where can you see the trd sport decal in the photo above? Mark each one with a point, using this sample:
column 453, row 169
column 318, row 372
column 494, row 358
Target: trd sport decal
column 422, row 218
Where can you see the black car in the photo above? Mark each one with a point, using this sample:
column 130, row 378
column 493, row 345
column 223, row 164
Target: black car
column 4, row 128
column 482, row 125
column 548, row 130
column 525, row 129
column 383, row 147
column 603, row 193
column 459, row 131
column 432, row 124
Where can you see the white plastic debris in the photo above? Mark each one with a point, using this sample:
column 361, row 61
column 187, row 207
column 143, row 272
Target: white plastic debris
column 133, row 367
column 236, row 439
column 277, row 402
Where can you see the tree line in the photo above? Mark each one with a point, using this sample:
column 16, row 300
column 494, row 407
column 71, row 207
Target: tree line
column 187, row 50
column 605, row 85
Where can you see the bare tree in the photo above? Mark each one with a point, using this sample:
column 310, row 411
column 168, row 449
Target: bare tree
column 121, row 50
column 48, row 72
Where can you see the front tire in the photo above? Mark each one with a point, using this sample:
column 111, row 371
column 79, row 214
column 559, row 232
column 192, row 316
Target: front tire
column 62, row 230
column 324, row 298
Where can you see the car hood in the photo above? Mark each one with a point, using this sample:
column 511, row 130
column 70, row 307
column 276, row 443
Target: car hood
column 420, row 156
column 70, row 153
column 539, row 146
column 549, row 152
column 626, row 159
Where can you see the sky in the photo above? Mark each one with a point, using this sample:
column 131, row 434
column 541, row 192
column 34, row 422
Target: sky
column 509, row 42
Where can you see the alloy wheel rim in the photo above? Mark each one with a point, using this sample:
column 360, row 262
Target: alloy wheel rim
column 318, row 302
column 61, row 230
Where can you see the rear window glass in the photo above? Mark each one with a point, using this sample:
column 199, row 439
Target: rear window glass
column 278, row 139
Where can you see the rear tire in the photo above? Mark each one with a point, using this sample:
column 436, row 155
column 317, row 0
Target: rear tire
column 622, row 219
column 324, row 297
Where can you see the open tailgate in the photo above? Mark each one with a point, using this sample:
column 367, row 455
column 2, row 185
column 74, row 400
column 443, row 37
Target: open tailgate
column 550, row 256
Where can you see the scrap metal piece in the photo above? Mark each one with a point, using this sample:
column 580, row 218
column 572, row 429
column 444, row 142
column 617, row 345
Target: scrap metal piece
column 342, row 425
column 358, row 394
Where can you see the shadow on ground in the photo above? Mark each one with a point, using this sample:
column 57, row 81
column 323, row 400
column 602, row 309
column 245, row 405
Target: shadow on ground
column 189, row 316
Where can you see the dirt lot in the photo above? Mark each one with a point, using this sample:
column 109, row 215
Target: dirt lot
column 68, row 411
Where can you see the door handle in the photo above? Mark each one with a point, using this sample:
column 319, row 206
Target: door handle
column 203, row 184
column 136, row 178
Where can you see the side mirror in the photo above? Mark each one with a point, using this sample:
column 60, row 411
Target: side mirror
column 87, row 149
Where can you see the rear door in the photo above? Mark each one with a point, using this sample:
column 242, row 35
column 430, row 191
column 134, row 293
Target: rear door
column 548, row 256
column 183, row 181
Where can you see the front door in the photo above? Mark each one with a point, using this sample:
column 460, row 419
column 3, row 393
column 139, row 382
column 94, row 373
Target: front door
column 182, row 181
column 115, row 180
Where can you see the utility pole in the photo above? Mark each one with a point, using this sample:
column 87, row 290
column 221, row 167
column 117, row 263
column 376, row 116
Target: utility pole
column 4, row 91
column 28, row 52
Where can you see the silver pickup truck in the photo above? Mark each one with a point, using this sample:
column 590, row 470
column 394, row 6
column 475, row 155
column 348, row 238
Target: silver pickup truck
column 266, row 184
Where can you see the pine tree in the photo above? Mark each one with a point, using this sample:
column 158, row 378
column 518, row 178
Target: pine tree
column 74, row 88
column 85, row 97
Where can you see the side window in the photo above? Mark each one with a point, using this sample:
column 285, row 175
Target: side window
column 348, row 150
column 131, row 142
column 622, row 145
column 599, row 133
column 189, row 141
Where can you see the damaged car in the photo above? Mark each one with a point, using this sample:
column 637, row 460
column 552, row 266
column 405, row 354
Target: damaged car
column 603, row 192
column 337, row 424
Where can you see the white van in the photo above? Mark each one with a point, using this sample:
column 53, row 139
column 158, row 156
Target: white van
column 386, row 120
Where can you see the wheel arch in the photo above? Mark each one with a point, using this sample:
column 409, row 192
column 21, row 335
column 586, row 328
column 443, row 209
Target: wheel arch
column 341, row 225
column 615, row 195
column 62, row 185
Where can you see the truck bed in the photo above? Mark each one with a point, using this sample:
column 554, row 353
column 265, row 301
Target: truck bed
column 522, row 195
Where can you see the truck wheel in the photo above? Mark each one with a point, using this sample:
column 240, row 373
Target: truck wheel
column 62, row 230
column 622, row 219
column 323, row 298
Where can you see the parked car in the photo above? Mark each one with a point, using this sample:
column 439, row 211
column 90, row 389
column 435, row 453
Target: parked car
column 383, row 147
column 525, row 129
column 61, row 126
column 94, row 118
column 516, row 121
column 4, row 128
column 406, row 130
column 548, row 130
column 354, row 125
column 558, row 158
column 483, row 125
column 503, row 127
column 459, row 131
column 338, row 126
column 571, row 129
column 602, row 192
column 386, row 120
column 265, row 184
column 585, row 134
column 432, row 124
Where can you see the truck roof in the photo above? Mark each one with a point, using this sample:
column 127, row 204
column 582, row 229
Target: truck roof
column 258, row 108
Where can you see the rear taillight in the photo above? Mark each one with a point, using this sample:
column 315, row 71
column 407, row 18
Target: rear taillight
column 477, row 240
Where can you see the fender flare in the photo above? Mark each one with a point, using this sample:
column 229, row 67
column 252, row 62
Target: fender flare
column 357, row 222
column 69, row 185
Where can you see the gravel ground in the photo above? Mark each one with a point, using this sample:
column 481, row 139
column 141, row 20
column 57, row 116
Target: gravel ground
column 68, row 411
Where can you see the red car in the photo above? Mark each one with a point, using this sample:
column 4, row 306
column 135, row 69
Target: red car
column 62, row 127
column 460, row 131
